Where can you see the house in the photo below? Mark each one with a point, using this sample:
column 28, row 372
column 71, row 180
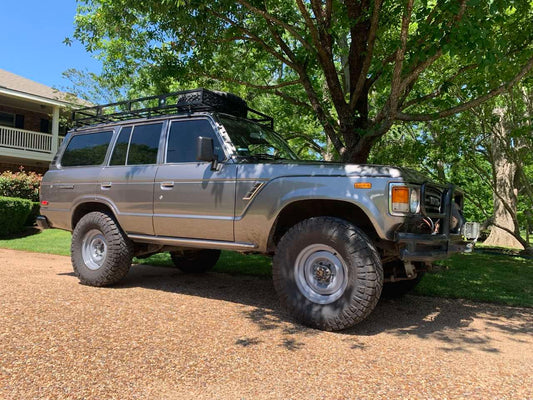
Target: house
column 33, row 119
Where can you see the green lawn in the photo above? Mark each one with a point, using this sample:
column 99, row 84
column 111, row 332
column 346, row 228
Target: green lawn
column 483, row 277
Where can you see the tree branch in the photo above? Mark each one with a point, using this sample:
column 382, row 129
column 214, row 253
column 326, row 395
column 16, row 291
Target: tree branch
column 251, row 85
column 356, row 93
column 269, row 17
column 254, row 38
column 322, row 42
column 293, row 100
column 400, row 55
column 469, row 104
column 438, row 91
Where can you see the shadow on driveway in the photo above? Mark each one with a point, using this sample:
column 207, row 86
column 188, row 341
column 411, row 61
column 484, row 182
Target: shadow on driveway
column 448, row 321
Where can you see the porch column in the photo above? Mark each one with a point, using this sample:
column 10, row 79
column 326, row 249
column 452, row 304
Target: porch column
column 55, row 129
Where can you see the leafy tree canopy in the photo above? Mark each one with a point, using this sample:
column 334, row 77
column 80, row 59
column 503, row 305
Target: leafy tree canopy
column 356, row 66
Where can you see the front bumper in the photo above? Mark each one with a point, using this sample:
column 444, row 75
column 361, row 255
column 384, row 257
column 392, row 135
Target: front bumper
column 421, row 247
column 448, row 238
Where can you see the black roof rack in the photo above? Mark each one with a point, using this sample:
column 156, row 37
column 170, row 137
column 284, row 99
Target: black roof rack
column 167, row 104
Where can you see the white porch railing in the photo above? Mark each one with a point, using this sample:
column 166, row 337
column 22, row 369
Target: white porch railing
column 26, row 140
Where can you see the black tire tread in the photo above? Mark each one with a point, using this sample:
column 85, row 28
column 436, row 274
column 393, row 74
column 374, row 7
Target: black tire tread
column 369, row 272
column 119, row 249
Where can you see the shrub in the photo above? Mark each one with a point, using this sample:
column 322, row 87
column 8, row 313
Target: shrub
column 13, row 214
column 35, row 211
column 21, row 184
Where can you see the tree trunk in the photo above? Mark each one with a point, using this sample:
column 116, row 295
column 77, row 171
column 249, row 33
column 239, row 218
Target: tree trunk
column 504, row 190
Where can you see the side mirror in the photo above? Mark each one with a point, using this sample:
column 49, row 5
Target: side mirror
column 205, row 151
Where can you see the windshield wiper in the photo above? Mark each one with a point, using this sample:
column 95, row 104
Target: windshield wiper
column 262, row 156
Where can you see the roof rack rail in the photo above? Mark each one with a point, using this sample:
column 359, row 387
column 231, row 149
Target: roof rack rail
column 167, row 104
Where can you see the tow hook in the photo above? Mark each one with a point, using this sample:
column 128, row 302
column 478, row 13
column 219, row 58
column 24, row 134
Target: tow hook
column 410, row 271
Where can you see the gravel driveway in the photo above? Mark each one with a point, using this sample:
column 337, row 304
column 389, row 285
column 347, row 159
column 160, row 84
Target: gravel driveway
column 165, row 335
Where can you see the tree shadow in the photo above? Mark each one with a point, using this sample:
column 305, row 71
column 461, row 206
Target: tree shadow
column 450, row 322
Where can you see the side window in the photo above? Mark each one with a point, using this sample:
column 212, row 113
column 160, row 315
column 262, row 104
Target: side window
column 86, row 149
column 182, row 140
column 121, row 147
column 144, row 144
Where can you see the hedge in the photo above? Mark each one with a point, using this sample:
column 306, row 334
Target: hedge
column 13, row 214
column 35, row 211
column 21, row 184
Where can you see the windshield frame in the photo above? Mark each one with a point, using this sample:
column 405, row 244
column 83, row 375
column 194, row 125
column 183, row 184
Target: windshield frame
column 272, row 137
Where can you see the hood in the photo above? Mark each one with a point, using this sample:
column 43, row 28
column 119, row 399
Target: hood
column 324, row 168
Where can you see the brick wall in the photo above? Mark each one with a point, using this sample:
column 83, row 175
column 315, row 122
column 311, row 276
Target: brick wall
column 32, row 119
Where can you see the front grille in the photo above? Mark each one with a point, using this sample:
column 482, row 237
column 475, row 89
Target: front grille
column 433, row 201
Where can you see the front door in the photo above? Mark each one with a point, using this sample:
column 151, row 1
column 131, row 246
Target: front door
column 190, row 199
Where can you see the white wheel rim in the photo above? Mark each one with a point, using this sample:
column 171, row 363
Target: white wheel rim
column 321, row 273
column 94, row 249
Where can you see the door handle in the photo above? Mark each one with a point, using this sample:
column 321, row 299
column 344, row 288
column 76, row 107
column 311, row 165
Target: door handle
column 105, row 185
column 65, row 186
column 167, row 185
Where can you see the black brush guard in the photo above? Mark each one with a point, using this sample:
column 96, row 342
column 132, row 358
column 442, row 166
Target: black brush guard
column 429, row 247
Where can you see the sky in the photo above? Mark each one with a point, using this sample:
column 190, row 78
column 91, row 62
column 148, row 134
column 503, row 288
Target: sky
column 31, row 39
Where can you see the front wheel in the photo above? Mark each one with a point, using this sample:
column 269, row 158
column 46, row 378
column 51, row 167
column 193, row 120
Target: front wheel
column 327, row 273
column 101, row 252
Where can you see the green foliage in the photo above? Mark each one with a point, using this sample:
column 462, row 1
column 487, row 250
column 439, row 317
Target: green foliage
column 13, row 214
column 35, row 211
column 21, row 184
column 320, row 58
column 458, row 150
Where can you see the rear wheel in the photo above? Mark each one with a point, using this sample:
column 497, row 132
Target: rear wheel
column 327, row 273
column 101, row 253
column 195, row 261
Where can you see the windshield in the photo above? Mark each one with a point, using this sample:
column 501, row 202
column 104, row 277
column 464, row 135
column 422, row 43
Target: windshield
column 256, row 142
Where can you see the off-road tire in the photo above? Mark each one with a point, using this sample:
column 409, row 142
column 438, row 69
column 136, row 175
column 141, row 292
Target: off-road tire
column 195, row 261
column 341, row 241
column 393, row 290
column 119, row 250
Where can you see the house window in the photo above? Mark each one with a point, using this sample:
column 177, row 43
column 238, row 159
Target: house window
column 7, row 119
column 45, row 125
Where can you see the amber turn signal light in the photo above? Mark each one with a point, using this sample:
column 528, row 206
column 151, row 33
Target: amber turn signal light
column 400, row 198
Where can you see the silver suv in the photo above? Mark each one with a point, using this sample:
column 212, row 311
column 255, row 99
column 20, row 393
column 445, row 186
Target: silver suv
column 196, row 172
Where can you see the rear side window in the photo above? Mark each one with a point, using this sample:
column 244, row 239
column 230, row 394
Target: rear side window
column 144, row 144
column 86, row 149
column 182, row 140
column 121, row 147
column 138, row 147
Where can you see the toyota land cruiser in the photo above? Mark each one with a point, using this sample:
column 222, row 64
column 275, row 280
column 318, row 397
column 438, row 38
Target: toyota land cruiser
column 196, row 172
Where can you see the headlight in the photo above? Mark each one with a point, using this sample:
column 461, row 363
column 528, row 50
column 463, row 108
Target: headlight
column 404, row 199
column 414, row 201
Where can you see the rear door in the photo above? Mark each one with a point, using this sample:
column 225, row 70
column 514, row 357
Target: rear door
column 75, row 178
column 190, row 199
column 127, row 182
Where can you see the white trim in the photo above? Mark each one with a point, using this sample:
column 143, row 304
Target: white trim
column 25, row 154
column 55, row 129
column 34, row 98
